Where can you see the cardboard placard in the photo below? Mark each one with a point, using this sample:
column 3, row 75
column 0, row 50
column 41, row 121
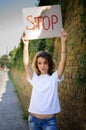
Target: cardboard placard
column 42, row 22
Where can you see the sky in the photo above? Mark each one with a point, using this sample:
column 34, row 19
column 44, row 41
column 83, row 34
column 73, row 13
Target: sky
column 11, row 23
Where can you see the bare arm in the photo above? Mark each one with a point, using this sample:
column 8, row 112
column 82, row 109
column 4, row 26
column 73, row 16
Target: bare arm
column 27, row 65
column 62, row 63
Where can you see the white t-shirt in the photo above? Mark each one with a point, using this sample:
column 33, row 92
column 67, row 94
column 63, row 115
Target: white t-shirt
column 44, row 99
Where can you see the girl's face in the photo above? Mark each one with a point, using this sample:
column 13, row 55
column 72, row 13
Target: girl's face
column 42, row 64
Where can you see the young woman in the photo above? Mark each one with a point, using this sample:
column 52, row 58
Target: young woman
column 44, row 100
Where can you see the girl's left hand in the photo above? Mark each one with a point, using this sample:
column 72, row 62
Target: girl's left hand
column 63, row 36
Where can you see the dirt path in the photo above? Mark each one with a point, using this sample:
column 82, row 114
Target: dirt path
column 11, row 114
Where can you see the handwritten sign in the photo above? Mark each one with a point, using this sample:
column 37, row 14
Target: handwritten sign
column 42, row 22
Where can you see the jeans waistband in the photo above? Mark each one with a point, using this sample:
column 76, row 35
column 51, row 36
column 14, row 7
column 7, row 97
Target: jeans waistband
column 40, row 118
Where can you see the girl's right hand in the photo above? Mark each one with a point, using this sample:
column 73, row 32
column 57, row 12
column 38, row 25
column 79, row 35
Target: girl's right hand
column 25, row 39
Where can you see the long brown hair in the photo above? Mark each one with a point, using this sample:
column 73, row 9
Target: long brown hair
column 48, row 57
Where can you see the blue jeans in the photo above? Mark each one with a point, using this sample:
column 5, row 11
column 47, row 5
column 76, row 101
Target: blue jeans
column 42, row 124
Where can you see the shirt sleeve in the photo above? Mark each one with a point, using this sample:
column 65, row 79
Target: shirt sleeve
column 32, row 81
column 56, row 76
